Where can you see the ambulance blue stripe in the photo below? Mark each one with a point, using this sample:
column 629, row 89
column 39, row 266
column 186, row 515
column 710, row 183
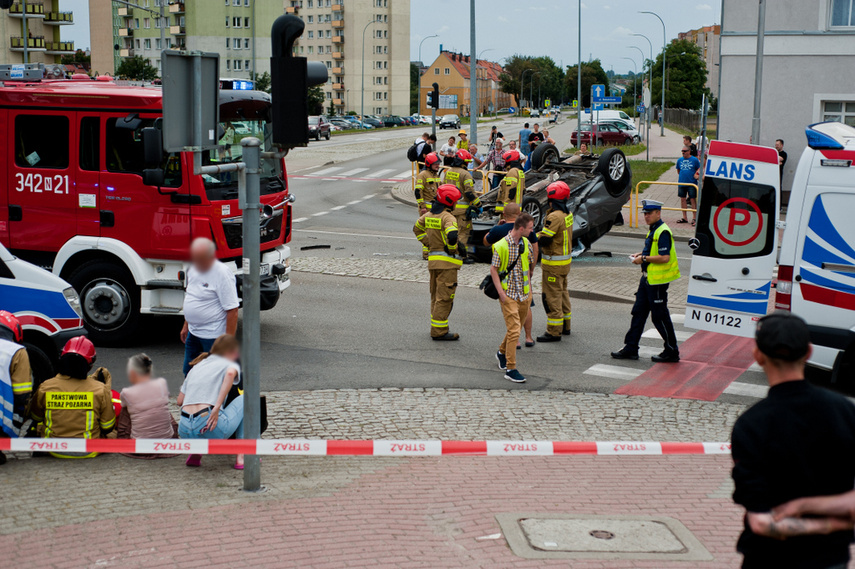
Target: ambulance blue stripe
column 814, row 254
column 813, row 278
column 821, row 225
column 48, row 302
column 765, row 289
column 733, row 306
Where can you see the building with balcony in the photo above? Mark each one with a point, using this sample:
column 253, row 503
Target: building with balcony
column 226, row 28
column 708, row 39
column 41, row 41
column 451, row 71
column 334, row 36
column 809, row 50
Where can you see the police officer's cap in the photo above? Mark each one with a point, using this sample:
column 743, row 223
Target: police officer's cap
column 651, row 205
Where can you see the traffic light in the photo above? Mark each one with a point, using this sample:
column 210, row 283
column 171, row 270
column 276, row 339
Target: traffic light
column 434, row 96
column 291, row 78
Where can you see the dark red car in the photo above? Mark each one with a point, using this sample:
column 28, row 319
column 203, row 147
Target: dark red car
column 319, row 127
column 603, row 135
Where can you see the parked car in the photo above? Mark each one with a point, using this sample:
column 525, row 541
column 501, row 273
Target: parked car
column 602, row 135
column 424, row 120
column 47, row 307
column 449, row 121
column 534, row 113
column 319, row 127
column 374, row 123
column 626, row 126
column 393, row 121
column 600, row 185
column 343, row 124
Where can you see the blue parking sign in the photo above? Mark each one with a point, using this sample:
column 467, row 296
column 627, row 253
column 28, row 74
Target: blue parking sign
column 597, row 106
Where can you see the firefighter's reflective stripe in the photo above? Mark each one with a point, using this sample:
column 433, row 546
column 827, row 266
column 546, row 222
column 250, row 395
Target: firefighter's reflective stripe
column 559, row 322
column 107, row 424
column 547, row 232
column 443, row 256
column 90, row 424
column 556, row 260
column 421, row 236
column 568, row 315
column 438, row 323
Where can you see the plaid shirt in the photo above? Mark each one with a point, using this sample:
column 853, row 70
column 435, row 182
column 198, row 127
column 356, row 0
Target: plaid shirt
column 494, row 160
column 515, row 278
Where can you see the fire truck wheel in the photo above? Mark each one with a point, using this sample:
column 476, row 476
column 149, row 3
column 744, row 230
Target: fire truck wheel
column 110, row 301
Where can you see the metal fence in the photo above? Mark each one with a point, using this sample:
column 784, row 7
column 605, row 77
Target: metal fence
column 690, row 120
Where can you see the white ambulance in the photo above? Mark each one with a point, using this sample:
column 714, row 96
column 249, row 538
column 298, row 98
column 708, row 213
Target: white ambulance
column 736, row 243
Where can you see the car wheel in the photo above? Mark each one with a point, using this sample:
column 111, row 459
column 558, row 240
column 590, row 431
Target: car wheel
column 544, row 154
column 534, row 208
column 599, row 142
column 317, row 136
column 628, row 141
column 110, row 300
column 615, row 170
column 327, row 135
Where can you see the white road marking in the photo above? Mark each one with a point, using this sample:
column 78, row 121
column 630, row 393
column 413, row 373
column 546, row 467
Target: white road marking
column 755, row 367
column 614, row 372
column 326, row 172
column 407, row 174
column 645, row 352
column 338, row 207
column 747, row 389
column 353, row 172
column 320, row 213
column 330, row 179
column 354, row 202
column 678, row 318
column 379, row 173
column 368, row 197
column 360, row 181
column 654, row 335
column 299, row 219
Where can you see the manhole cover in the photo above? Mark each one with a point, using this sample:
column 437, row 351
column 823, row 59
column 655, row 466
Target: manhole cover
column 556, row 536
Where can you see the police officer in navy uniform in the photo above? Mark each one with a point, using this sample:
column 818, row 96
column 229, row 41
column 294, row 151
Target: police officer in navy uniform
column 659, row 267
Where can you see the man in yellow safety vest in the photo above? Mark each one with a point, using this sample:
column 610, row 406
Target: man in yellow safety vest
column 659, row 266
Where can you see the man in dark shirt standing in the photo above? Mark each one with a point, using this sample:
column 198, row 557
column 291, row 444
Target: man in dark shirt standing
column 799, row 441
column 782, row 155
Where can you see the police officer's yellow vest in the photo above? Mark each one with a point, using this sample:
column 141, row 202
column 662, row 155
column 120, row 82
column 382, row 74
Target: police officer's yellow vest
column 661, row 273
column 503, row 248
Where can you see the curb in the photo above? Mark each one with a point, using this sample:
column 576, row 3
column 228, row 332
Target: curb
column 639, row 235
column 403, row 196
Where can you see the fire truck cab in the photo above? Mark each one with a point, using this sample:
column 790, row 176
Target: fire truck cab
column 73, row 197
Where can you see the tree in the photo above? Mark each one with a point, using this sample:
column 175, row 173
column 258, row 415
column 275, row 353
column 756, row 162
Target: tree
column 592, row 74
column 316, row 100
column 262, row 82
column 686, row 76
column 137, row 68
column 415, row 87
column 543, row 79
column 78, row 56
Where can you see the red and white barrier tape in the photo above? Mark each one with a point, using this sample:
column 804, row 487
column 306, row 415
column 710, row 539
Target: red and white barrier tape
column 302, row 447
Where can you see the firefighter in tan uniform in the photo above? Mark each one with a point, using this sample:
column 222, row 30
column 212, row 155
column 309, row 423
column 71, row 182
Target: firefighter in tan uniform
column 16, row 381
column 427, row 183
column 556, row 243
column 72, row 405
column 437, row 230
column 467, row 206
column 512, row 186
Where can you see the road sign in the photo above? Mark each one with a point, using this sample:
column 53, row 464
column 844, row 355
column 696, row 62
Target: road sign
column 186, row 73
column 645, row 97
column 575, row 103
column 738, row 226
column 547, row 103
column 608, row 99
column 598, row 90
column 512, row 110
column 597, row 106
column 640, row 108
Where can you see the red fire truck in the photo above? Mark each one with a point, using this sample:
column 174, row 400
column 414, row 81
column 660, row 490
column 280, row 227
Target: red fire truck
column 73, row 197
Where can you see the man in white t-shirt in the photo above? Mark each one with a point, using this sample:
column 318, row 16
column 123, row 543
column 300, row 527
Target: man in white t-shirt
column 210, row 302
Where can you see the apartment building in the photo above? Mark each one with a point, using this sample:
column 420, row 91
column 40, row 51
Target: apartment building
column 339, row 31
column 223, row 26
column 809, row 55
column 451, row 71
column 708, row 39
column 42, row 37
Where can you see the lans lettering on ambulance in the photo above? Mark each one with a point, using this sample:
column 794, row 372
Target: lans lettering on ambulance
column 736, row 243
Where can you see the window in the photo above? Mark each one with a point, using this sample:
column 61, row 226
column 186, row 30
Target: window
column 378, row 34
column 385, row 49
column 311, row 49
column 236, row 22
column 246, row 22
column 246, row 2
column 311, row 3
column 329, row 95
column 246, row 43
column 235, row 2
column 138, row 44
column 228, row 65
column 447, row 71
column 158, row 44
column 842, row 13
column 137, row 23
column 148, row 44
column 227, row 21
column 33, row 149
column 301, row 49
column 385, row 79
column 146, row 23
column 311, row 34
column 385, row 34
column 237, row 65
column 311, row 19
column 329, row 34
column 246, row 64
column 839, row 111
column 436, row 70
column 228, row 42
column 125, row 154
column 236, row 43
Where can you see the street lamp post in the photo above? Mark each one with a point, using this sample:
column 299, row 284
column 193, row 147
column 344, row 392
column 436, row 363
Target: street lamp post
column 634, row 80
column 531, row 85
column 362, row 104
column 483, row 51
column 664, row 50
column 579, row 81
column 650, row 84
column 473, row 77
column 522, row 87
column 420, row 47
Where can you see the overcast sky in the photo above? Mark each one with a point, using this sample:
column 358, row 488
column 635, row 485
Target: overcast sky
column 549, row 27
column 527, row 27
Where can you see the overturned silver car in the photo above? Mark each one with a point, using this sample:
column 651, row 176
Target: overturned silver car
column 600, row 185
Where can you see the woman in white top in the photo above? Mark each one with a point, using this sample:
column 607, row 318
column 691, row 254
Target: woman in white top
column 203, row 395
